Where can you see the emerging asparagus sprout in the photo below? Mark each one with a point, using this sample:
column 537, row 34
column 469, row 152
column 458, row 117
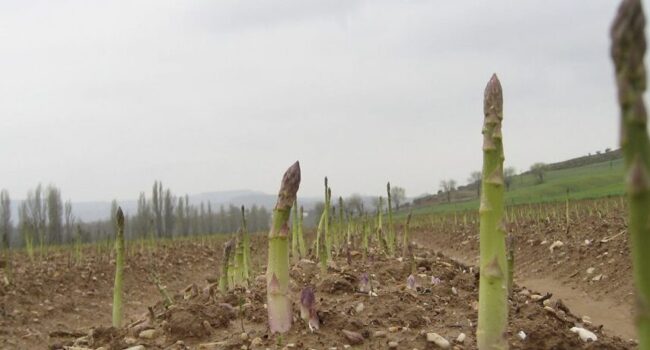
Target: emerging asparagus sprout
column 224, row 279
column 119, row 270
column 308, row 308
column 628, row 51
column 411, row 283
column 277, row 274
column 364, row 283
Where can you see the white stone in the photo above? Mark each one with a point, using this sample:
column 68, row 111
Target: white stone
column 460, row 338
column 147, row 334
column 584, row 334
column 556, row 244
column 521, row 335
column 438, row 340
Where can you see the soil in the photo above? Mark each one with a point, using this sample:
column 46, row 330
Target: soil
column 55, row 303
column 591, row 271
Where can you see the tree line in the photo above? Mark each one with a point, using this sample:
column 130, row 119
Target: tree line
column 43, row 219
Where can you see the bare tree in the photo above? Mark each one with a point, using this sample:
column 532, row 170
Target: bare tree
column 157, row 207
column 539, row 170
column 508, row 176
column 448, row 186
column 5, row 218
column 54, row 215
column 475, row 178
column 398, row 195
column 168, row 213
column 35, row 214
column 69, row 221
column 355, row 203
column 142, row 220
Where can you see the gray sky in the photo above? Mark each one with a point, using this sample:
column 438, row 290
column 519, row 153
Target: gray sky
column 103, row 97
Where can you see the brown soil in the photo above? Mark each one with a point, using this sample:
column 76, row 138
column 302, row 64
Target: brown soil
column 55, row 303
column 597, row 240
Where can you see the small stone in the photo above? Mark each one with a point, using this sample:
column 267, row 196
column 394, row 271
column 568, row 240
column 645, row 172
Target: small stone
column 359, row 308
column 597, row 277
column 521, row 335
column 393, row 329
column 454, row 291
column 549, row 309
column 586, row 319
column 392, row 345
column 556, row 244
column 547, row 302
column 379, row 334
column 438, row 340
column 460, row 338
column 354, row 337
column 243, row 336
column 130, row 340
column 536, row 297
column 590, row 270
column 212, row 345
column 137, row 347
column 148, row 334
column 584, row 334
column 256, row 341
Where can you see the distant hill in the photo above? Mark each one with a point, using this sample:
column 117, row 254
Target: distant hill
column 469, row 191
column 584, row 177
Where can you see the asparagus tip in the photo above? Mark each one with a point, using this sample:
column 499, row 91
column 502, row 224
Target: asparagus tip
column 289, row 187
column 120, row 217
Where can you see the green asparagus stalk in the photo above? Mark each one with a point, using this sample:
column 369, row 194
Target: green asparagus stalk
column 240, row 264
column 225, row 264
column 119, row 269
column 405, row 235
column 301, row 239
column 247, row 246
column 326, row 223
column 277, row 274
column 391, row 228
column 628, row 51
column 493, row 290
column 340, row 230
column 320, row 245
column 366, row 234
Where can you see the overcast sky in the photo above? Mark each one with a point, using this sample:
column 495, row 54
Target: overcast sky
column 102, row 98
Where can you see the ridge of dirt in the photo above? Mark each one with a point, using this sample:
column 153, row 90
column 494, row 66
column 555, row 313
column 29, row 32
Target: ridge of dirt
column 590, row 271
column 396, row 315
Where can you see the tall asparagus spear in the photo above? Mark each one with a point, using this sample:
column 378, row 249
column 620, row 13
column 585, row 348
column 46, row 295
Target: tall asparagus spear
column 493, row 291
column 391, row 228
column 247, row 245
column 119, row 269
column 628, row 50
column 277, row 274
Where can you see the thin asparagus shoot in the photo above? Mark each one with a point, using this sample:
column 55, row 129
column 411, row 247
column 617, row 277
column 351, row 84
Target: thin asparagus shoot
column 119, row 269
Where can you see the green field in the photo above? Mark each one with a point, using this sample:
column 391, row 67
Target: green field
column 589, row 181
